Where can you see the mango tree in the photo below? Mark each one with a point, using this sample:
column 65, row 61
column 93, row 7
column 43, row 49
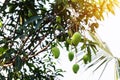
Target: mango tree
column 31, row 32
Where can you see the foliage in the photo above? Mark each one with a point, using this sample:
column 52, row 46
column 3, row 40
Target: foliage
column 29, row 29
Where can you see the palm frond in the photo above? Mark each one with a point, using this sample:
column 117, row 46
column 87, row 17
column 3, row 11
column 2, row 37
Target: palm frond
column 98, row 58
column 95, row 62
column 105, row 60
column 115, row 73
column 103, row 68
column 100, row 43
column 117, row 69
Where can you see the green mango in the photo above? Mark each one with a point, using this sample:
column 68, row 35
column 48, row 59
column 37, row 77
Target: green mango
column 56, row 52
column 70, row 56
column 76, row 38
column 85, row 58
column 75, row 68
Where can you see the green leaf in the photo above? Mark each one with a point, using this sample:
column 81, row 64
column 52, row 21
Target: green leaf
column 38, row 25
column 67, row 45
column 83, row 46
column 31, row 20
column 1, row 24
column 12, row 7
column 3, row 49
column 2, row 77
column 58, row 19
column 18, row 63
column 10, row 75
column 59, row 44
column 89, row 54
column 94, row 49
column 30, row 65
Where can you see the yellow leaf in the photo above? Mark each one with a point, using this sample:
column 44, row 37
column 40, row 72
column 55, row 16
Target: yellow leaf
column 74, row 0
column 110, row 8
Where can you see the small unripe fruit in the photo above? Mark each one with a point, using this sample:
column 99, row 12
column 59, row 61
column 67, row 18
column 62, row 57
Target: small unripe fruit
column 70, row 56
column 75, row 68
column 76, row 38
column 56, row 52
column 85, row 58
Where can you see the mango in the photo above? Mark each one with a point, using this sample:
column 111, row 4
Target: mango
column 75, row 68
column 76, row 38
column 70, row 56
column 55, row 52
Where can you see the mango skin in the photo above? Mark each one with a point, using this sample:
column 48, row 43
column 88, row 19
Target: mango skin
column 76, row 38
column 71, row 56
column 75, row 68
column 85, row 59
column 55, row 52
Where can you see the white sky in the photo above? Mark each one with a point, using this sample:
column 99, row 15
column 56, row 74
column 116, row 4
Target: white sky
column 109, row 32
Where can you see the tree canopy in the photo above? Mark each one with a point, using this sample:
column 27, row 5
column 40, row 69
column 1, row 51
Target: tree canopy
column 31, row 30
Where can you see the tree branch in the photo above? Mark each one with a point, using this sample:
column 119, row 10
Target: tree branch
column 43, row 49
